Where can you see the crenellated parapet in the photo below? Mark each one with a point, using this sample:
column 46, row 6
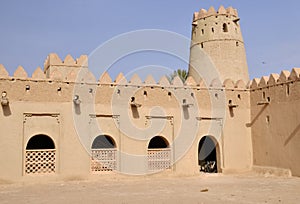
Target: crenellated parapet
column 20, row 73
column 276, row 88
column 54, row 60
column 285, row 77
column 213, row 12
column 67, row 71
column 59, row 66
column 58, row 69
column 176, row 82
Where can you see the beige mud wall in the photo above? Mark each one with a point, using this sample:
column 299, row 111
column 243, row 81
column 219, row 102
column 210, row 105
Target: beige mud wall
column 275, row 123
column 47, row 108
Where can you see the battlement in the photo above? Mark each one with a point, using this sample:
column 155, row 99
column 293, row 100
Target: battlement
column 51, row 61
column 212, row 12
column 88, row 77
column 54, row 60
column 284, row 77
column 54, row 67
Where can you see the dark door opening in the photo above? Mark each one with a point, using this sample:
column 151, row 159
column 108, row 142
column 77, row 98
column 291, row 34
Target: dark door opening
column 207, row 155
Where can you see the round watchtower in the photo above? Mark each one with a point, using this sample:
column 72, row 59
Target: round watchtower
column 218, row 34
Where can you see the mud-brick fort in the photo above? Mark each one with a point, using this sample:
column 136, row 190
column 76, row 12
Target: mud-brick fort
column 58, row 124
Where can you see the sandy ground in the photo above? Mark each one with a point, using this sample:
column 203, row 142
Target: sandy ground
column 200, row 189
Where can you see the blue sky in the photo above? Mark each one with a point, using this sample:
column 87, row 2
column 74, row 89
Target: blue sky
column 30, row 30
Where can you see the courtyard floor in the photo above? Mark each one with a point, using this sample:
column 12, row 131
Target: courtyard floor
column 214, row 188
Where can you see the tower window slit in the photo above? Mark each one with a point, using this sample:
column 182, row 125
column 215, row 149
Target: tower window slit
column 225, row 28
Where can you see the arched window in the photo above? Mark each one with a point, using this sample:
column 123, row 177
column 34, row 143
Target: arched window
column 207, row 155
column 40, row 155
column 159, row 154
column 40, row 142
column 158, row 142
column 103, row 141
column 103, row 154
column 225, row 28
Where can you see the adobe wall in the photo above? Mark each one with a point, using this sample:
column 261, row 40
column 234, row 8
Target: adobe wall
column 275, row 121
column 44, row 104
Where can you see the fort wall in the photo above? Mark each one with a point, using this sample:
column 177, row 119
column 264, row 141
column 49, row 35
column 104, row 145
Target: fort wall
column 44, row 104
column 275, row 120
column 62, row 123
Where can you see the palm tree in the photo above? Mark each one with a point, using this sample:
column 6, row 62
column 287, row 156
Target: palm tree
column 183, row 74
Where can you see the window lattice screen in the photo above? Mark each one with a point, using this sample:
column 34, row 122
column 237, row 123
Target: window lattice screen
column 39, row 161
column 104, row 160
column 159, row 159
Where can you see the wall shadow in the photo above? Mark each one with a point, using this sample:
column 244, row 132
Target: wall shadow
column 135, row 112
column 6, row 110
column 186, row 113
column 231, row 112
column 77, row 109
column 256, row 117
column 293, row 134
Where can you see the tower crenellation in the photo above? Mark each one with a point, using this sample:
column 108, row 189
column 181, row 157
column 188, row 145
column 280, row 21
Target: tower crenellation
column 212, row 12
column 216, row 25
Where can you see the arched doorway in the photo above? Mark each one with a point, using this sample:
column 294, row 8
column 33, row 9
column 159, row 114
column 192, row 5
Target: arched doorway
column 159, row 154
column 40, row 155
column 208, row 155
column 104, row 154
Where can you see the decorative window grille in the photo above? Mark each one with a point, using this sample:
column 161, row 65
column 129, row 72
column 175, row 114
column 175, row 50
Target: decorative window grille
column 40, row 161
column 159, row 159
column 104, row 160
